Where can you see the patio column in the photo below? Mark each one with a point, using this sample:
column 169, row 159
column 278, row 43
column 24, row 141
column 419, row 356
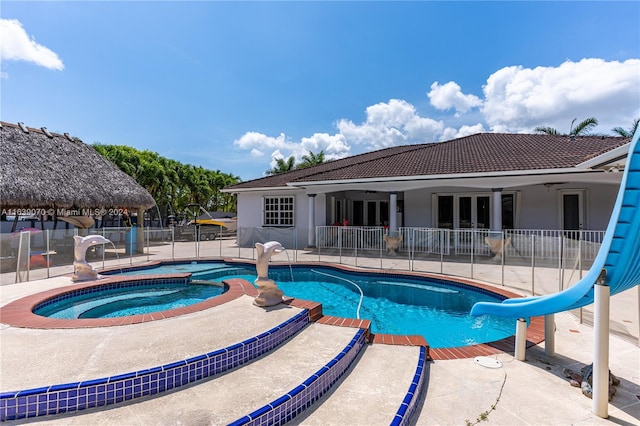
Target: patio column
column 496, row 214
column 311, row 239
column 393, row 224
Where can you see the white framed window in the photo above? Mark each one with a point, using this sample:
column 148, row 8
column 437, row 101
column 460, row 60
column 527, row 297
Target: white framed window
column 278, row 211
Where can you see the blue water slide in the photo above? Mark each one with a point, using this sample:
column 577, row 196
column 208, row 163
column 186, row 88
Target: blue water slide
column 618, row 257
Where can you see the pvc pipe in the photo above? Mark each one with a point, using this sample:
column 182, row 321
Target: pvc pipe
column 521, row 339
column 601, row 350
column 550, row 335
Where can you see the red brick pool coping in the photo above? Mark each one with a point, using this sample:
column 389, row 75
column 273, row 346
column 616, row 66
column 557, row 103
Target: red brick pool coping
column 19, row 312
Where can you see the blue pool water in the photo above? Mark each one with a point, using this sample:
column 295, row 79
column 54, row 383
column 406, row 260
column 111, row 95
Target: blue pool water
column 436, row 309
column 119, row 302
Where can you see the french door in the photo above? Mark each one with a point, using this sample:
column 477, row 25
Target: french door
column 473, row 212
column 464, row 211
column 572, row 215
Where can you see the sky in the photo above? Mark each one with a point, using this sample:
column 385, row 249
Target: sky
column 231, row 86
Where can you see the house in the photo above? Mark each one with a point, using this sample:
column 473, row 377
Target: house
column 487, row 181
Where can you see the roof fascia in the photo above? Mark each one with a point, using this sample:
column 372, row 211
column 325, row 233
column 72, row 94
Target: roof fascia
column 260, row 189
column 608, row 157
column 440, row 177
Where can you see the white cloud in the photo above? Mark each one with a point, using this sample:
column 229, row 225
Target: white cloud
column 451, row 133
column 518, row 99
column 389, row 124
column 258, row 142
column 333, row 146
column 18, row 46
column 449, row 96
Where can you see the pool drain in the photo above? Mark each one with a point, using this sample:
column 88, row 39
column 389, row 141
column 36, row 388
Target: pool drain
column 488, row 362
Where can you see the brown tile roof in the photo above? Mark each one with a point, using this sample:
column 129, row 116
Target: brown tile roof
column 483, row 152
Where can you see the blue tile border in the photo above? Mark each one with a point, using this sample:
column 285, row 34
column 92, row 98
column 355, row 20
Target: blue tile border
column 68, row 397
column 288, row 406
column 408, row 407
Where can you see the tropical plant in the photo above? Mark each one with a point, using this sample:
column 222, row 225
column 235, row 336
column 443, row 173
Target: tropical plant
column 311, row 160
column 308, row 160
column 170, row 182
column 283, row 166
column 581, row 129
column 627, row 133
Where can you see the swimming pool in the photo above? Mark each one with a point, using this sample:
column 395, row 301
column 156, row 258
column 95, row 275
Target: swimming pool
column 120, row 300
column 394, row 303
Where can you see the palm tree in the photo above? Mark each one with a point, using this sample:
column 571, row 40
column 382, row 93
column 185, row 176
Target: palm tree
column 627, row 134
column 582, row 129
column 283, row 165
column 311, row 160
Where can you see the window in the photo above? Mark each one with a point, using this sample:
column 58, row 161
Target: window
column 278, row 211
column 445, row 211
column 508, row 209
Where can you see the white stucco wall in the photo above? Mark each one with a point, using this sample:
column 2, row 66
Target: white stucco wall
column 540, row 207
column 250, row 213
column 600, row 204
column 417, row 208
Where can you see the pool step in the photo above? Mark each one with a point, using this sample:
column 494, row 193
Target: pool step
column 382, row 388
column 295, row 374
column 84, row 377
column 275, row 377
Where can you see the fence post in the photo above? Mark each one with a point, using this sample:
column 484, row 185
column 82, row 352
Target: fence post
column 580, row 253
column 48, row 237
column 356, row 246
column 502, row 250
column 472, row 233
column 340, row 235
column 380, row 241
column 28, row 255
column 318, row 241
column 560, row 271
column 104, row 249
column 533, row 263
column 411, row 247
column 441, row 233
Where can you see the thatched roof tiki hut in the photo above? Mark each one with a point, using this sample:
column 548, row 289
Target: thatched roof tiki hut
column 44, row 170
